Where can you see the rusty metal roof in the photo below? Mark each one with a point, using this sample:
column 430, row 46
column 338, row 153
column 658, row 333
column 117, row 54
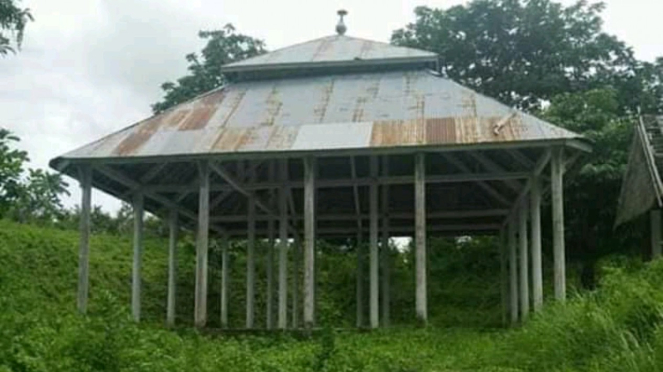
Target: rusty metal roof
column 335, row 50
column 350, row 111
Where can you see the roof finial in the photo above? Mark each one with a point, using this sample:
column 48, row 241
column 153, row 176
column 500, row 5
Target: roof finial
column 340, row 27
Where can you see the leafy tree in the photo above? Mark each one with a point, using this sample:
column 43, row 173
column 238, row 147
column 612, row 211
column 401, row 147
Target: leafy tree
column 12, row 25
column 11, row 168
column 39, row 197
column 223, row 46
column 522, row 52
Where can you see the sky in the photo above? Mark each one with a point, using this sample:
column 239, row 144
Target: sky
column 91, row 67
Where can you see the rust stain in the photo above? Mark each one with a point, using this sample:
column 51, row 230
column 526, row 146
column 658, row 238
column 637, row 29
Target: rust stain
column 141, row 134
column 441, row 131
column 198, row 118
column 237, row 100
column 371, row 94
column 396, row 133
column 282, row 138
column 273, row 107
column 321, row 108
column 173, row 119
column 469, row 102
column 323, row 47
column 228, row 139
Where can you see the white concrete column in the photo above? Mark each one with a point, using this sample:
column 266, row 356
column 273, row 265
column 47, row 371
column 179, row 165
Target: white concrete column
column 85, row 177
column 557, row 191
column 309, row 241
column 385, row 249
column 250, row 264
column 283, row 247
column 524, row 262
column 535, row 225
column 225, row 277
column 270, row 273
column 172, row 268
column 655, row 229
column 296, row 257
column 202, row 246
column 373, row 248
column 138, row 253
column 420, row 238
column 513, row 271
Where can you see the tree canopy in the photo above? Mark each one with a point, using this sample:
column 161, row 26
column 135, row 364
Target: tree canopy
column 223, row 46
column 12, row 25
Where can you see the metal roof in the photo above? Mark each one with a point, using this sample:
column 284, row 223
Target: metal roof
column 335, row 50
column 351, row 111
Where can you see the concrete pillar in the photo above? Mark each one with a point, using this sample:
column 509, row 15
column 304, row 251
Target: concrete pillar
column 309, row 241
column 138, row 253
column 386, row 253
column 172, row 268
column 513, row 272
column 360, row 280
column 283, row 248
column 225, row 277
column 373, row 246
column 270, row 273
column 296, row 257
column 202, row 246
column 557, row 191
column 655, row 220
column 535, row 225
column 524, row 262
column 85, row 177
column 420, row 237
column 250, row 264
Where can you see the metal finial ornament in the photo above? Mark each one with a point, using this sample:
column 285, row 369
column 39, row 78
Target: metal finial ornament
column 340, row 27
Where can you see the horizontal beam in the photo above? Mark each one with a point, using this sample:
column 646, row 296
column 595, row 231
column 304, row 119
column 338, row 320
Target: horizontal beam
column 393, row 231
column 348, row 182
column 392, row 216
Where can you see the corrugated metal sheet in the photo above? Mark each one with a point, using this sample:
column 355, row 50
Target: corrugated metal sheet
column 331, row 49
column 386, row 109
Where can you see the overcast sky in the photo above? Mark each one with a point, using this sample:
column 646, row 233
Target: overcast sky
column 91, row 67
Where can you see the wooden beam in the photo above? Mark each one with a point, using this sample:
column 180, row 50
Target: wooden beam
column 538, row 168
column 172, row 268
column 146, row 178
column 480, row 182
column 535, row 225
column 225, row 280
column 202, row 246
column 309, row 241
column 373, row 248
column 359, row 249
column 270, row 254
column 138, row 253
column 385, row 249
column 349, row 182
column 521, row 159
column 395, row 230
column 283, row 248
column 492, row 166
column 557, row 189
column 420, row 237
column 85, row 177
column 524, row 262
column 250, row 264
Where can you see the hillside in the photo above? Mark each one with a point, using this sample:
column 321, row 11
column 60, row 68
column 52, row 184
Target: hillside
column 616, row 328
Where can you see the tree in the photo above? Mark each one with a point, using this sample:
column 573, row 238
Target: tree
column 39, row 197
column 11, row 168
column 522, row 52
column 12, row 25
column 223, row 46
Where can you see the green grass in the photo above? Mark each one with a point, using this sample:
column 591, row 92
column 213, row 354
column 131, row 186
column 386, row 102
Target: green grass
column 616, row 328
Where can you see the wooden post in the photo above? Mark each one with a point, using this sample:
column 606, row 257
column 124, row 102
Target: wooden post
column 250, row 264
column 295, row 281
column 504, row 277
column 655, row 220
column 524, row 269
column 85, row 178
column 283, row 248
column 225, row 243
column 172, row 268
column 270, row 253
column 360, row 281
column 556, row 174
column 513, row 272
column 202, row 246
column 373, row 248
column 535, row 225
column 309, row 241
column 138, row 253
column 386, row 254
column 420, row 237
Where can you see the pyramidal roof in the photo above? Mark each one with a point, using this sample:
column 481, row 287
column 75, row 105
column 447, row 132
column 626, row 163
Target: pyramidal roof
column 334, row 50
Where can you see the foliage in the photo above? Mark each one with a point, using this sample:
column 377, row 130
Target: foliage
column 223, row 46
column 11, row 168
column 522, row 52
column 12, row 25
